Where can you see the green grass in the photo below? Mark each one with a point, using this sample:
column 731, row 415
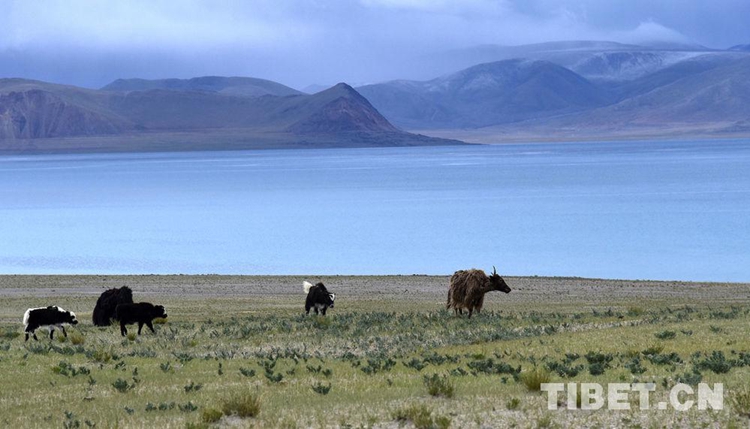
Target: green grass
column 274, row 367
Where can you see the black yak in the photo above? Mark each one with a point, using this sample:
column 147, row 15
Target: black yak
column 318, row 298
column 51, row 317
column 108, row 301
column 140, row 313
column 468, row 287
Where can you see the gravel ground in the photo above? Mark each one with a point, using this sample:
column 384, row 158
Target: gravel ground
column 390, row 293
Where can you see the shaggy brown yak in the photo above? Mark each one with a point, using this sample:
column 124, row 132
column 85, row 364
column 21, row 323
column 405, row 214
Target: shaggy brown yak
column 468, row 288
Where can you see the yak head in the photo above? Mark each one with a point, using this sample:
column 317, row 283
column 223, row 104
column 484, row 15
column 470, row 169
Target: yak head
column 498, row 283
column 158, row 311
column 333, row 298
column 70, row 317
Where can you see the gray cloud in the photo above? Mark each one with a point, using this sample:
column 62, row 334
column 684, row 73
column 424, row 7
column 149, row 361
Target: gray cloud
column 90, row 43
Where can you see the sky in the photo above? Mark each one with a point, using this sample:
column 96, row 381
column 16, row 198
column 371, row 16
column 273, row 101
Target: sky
column 303, row 42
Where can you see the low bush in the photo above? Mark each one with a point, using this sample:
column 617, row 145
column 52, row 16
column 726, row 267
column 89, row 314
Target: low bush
column 243, row 405
column 533, row 379
column 439, row 386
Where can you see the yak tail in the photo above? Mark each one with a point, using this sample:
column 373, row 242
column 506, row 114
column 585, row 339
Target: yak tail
column 307, row 286
column 26, row 317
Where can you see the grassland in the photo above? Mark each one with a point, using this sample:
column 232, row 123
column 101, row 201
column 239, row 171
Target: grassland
column 238, row 352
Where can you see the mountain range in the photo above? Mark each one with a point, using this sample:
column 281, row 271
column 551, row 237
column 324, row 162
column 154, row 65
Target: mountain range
column 200, row 113
column 576, row 88
column 549, row 91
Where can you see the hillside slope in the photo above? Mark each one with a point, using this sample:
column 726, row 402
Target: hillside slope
column 486, row 94
column 33, row 114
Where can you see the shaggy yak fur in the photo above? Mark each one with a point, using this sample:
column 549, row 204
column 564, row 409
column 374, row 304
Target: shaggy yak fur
column 50, row 317
column 140, row 313
column 318, row 298
column 108, row 301
column 468, row 287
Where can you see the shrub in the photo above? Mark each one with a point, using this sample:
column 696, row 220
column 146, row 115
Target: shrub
column 513, row 404
column 653, row 350
column 321, row 388
column 10, row 334
column 247, row 372
column 716, row 363
column 635, row 366
column 192, row 387
column 597, row 368
column 533, row 379
column 68, row 370
column 188, row 408
column 243, row 404
column 664, row 359
column 100, row 355
column 564, row 369
column 76, row 338
column 635, row 311
column 665, row 335
column 439, row 386
column 740, row 401
column 598, row 362
column 211, row 415
column 691, row 378
column 416, row 364
column 122, row 386
column 421, row 417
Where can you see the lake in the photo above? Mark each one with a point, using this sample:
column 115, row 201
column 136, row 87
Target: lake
column 634, row 210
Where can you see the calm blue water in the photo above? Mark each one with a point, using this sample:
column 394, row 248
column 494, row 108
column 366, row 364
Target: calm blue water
column 651, row 210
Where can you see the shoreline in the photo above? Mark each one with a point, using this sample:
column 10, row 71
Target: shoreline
column 156, row 144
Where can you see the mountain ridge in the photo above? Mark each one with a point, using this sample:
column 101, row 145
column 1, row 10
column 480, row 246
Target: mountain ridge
column 33, row 114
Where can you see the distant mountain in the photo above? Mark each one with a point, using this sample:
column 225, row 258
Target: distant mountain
column 46, row 117
column 719, row 95
column 741, row 48
column 486, row 94
column 594, row 60
column 707, row 93
column 33, row 109
column 246, row 86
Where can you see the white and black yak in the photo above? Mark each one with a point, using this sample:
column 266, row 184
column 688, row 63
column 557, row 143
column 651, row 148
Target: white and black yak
column 50, row 317
column 468, row 287
column 140, row 313
column 318, row 298
column 108, row 301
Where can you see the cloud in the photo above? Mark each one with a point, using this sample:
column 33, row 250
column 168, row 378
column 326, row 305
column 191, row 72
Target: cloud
column 146, row 24
column 300, row 42
column 650, row 31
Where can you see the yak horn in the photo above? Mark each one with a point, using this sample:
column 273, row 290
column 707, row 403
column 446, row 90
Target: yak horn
column 494, row 270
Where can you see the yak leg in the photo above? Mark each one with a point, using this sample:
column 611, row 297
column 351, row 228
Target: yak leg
column 471, row 310
column 51, row 332
column 323, row 310
column 140, row 326
column 150, row 326
column 123, row 329
column 63, row 329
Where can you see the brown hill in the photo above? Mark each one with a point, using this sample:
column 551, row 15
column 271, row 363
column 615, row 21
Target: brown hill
column 33, row 114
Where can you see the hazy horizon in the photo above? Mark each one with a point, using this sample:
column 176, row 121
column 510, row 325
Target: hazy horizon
column 299, row 44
